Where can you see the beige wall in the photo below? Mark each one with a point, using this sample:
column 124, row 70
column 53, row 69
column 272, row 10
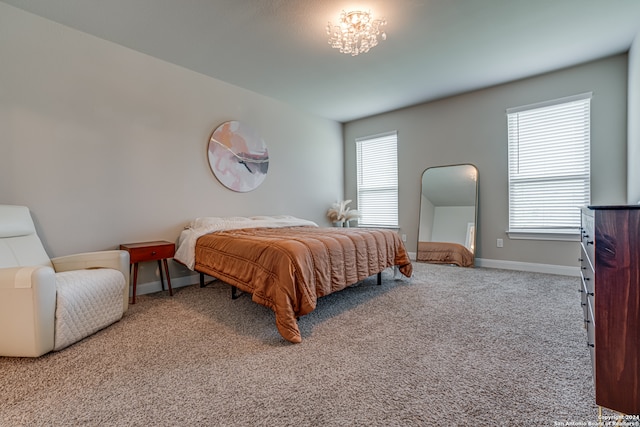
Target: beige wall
column 108, row 146
column 472, row 128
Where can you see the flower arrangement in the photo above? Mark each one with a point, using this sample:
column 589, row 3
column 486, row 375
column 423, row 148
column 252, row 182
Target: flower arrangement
column 341, row 213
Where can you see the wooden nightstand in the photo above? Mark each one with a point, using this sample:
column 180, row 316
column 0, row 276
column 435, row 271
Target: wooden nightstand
column 150, row 251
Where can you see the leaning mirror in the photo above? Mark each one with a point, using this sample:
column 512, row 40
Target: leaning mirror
column 448, row 215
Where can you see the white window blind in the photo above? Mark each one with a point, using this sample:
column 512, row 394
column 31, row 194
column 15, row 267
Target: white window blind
column 549, row 165
column 377, row 169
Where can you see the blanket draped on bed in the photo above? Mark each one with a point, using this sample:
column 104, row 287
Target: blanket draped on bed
column 288, row 269
column 445, row 253
column 208, row 224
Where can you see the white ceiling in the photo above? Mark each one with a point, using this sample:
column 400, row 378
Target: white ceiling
column 434, row 48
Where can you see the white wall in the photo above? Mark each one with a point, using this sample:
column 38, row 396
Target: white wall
column 633, row 124
column 427, row 213
column 108, row 146
column 450, row 223
column 472, row 128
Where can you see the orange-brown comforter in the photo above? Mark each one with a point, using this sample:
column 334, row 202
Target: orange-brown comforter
column 288, row 269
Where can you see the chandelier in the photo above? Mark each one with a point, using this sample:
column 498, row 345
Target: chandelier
column 356, row 32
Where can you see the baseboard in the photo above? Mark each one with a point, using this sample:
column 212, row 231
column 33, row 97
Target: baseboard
column 562, row 270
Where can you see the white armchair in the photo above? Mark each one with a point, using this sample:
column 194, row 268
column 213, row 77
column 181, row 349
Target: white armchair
column 48, row 304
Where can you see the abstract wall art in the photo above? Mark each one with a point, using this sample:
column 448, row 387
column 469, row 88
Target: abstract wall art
column 238, row 156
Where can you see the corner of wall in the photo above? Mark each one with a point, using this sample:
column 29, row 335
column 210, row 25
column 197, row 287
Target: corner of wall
column 633, row 122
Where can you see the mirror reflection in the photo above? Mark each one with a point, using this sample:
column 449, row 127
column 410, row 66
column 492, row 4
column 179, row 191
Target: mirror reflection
column 448, row 215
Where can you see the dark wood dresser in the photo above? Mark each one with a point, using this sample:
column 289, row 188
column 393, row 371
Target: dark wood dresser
column 610, row 266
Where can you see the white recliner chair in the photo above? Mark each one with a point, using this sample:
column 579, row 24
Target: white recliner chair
column 48, row 304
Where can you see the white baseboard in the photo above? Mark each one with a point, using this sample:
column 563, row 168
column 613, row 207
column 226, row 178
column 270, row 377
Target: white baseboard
column 562, row 270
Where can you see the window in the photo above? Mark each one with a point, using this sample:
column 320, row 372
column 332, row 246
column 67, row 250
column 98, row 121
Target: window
column 549, row 166
column 377, row 169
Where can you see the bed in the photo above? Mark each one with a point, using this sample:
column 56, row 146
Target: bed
column 445, row 253
column 287, row 263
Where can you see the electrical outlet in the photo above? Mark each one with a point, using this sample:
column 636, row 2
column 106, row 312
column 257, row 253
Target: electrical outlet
column 404, row 237
column 499, row 243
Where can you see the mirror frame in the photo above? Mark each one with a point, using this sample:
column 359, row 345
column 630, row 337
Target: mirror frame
column 449, row 253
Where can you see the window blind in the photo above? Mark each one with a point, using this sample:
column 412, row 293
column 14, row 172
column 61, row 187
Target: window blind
column 377, row 170
column 549, row 165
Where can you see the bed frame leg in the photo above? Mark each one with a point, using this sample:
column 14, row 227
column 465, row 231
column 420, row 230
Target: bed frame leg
column 234, row 292
column 380, row 278
column 202, row 280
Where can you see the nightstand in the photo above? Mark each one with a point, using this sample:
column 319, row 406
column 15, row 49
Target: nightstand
column 150, row 251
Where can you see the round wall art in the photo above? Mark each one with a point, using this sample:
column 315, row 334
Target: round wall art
column 238, row 156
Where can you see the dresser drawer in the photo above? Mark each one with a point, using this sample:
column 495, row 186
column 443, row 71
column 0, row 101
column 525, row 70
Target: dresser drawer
column 149, row 251
column 588, row 235
column 584, row 302
column 591, row 338
column 587, row 253
column 588, row 277
column 587, row 300
column 587, row 283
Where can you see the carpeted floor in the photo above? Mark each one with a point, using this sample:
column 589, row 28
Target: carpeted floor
column 450, row 347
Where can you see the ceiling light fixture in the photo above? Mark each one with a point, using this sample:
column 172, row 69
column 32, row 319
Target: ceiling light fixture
column 356, row 33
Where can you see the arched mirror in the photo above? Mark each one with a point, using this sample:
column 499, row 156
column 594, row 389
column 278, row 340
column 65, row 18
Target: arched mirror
column 448, row 215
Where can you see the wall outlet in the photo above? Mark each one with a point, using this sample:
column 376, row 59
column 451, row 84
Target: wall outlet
column 499, row 243
column 404, row 237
